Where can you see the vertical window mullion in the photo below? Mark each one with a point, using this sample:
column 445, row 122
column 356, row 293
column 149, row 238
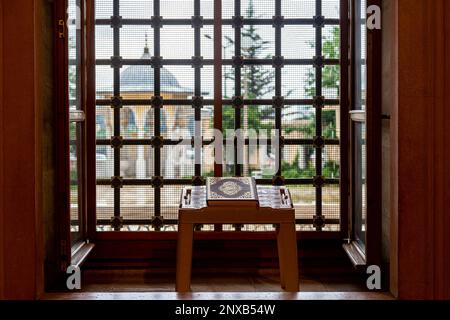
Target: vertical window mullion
column 197, row 93
column 318, row 67
column 238, row 161
column 278, row 85
column 157, row 109
column 218, row 63
column 116, row 112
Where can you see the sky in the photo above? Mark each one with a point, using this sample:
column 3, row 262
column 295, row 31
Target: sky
column 178, row 41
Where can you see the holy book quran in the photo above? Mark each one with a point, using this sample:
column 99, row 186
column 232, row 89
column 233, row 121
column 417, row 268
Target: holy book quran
column 224, row 191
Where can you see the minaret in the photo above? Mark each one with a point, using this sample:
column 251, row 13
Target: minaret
column 146, row 54
column 146, row 44
column 140, row 113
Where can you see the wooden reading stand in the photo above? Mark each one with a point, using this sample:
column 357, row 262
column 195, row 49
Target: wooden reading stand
column 274, row 206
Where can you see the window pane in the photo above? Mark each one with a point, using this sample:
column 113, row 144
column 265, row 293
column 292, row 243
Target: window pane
column 146, row 128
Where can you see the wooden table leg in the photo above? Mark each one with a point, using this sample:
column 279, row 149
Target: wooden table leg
column 287, row 239
column 184, row 257
column 281, row 257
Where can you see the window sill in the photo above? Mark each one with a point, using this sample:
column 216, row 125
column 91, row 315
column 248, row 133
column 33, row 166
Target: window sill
column 355, row 254
column 80, row 255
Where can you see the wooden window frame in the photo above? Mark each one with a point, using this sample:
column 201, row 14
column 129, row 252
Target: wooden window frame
column 71, row 252
column 218, row 102
column 106, row 241
column 373, row 117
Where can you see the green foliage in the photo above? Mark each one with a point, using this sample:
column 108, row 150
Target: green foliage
column 329, row 124
column 72, row 73
column 256, row 80
column 208, row 174
column 74, row 175
column 292, row 170
column 330, row 74
column 330, row 81
column 72, row 137
column 331, row 169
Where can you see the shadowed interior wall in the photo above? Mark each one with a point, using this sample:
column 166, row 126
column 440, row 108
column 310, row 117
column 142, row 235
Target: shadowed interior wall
column 419, row 150
column 45, row 49
column 26, row 131
column 19, row 147
column 388, row 91
column 446, row 221
column 1, row 157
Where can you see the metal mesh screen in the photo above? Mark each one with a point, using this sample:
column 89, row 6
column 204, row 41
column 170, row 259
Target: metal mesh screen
column 155, row 87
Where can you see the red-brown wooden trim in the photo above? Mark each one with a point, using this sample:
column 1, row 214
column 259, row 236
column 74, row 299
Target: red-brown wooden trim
column 419, row 259
column 84, row 88
column 446, row 176
column 224, row 235
column 391, row 23
column 218, row 80
column 373, row 139
column 344, row 109
column 62, row 137
column 241, row 250
column 373, row 130
column 350, row 138
column 437, row 160
column 218, row 148
column 317, row 257
column 20, row 150
column 2, row 283
column 91, row 187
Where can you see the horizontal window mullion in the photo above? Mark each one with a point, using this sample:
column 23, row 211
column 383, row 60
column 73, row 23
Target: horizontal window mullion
column 210, row 102
column 311, row 221
column 141, row 142
column 206, row 142
column 175, row 222
column 188, row 62
column 329, row 181
column 246, row 21
column 287, row 102
column 148, row 182
column 137, row 222
column 148, row 62
column 145, row 182
column 295, row 142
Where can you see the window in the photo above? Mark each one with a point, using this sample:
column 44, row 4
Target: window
column 76, row 124
column 364, row 232
column 359, row 127
column 155, row 87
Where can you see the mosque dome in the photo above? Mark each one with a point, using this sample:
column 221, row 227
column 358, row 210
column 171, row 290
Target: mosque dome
column 140, row 78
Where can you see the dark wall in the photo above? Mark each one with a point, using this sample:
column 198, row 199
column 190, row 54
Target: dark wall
column 26, row 130
column 388, row 90
column 45, row 49
column 420, row 127
column 1, row 159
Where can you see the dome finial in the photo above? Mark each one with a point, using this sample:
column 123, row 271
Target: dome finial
column 146, row 43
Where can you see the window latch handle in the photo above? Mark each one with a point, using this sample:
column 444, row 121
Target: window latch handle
column 62, row 29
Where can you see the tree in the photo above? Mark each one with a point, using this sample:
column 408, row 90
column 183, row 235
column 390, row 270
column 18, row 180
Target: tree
column 256, row 81
column 330, row 74
column 330, row 81
column 73, row 72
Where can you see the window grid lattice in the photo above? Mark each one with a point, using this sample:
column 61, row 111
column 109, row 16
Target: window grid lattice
column 140, row 123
